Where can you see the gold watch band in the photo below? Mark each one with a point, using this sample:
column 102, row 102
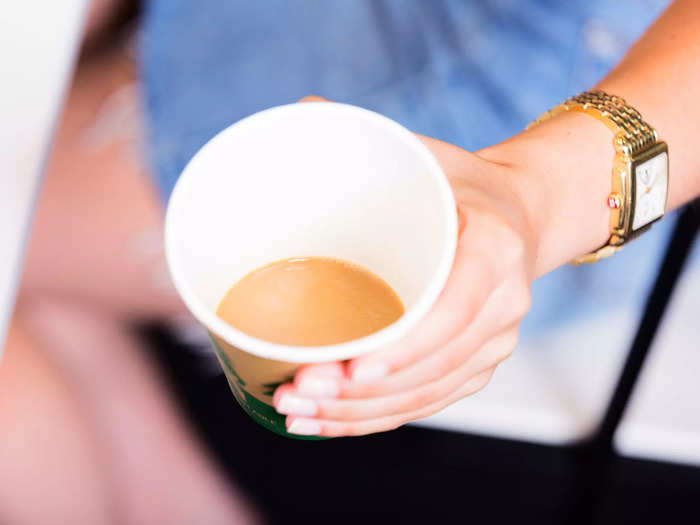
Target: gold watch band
column 632, row 136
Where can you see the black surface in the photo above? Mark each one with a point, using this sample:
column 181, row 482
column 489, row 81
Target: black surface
column 415, row 475
column 410, row 475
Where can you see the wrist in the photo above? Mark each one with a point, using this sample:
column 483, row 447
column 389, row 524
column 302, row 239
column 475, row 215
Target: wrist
column 563, row 171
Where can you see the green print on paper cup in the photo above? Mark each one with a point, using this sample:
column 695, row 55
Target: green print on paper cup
column 261, row 412
column 314, row 180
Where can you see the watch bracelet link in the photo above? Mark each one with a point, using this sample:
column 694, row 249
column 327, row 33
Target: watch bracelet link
column 632, row 135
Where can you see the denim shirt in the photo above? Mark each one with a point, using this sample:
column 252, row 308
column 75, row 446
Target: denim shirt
column 469, row 72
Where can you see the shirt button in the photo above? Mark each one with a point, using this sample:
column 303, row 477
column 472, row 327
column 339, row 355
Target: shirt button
column 602, row 42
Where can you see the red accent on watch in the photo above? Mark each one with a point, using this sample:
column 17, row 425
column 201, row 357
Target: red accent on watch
column 614, row 201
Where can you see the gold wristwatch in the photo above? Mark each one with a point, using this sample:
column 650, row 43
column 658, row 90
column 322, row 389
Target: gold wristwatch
column 639, row 173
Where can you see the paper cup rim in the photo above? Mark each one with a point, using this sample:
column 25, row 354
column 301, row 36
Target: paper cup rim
column 335, row 352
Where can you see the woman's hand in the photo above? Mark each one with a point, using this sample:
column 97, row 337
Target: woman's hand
column 472, row 327
column 520, row 219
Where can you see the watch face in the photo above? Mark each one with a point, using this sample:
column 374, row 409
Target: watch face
column 651, row 181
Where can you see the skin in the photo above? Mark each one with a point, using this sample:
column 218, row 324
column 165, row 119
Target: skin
column 526, row 207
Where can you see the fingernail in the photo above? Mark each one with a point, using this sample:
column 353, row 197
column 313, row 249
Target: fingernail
column 318, row 387
column 304, row 427
column 370, row 372
column 296, row 406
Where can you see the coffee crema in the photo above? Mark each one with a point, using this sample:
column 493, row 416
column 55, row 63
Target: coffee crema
column 310, row 301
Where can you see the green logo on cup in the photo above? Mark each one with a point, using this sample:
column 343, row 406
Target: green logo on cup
column 260, row 412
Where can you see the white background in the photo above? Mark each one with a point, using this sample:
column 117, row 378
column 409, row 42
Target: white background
column 38, row 41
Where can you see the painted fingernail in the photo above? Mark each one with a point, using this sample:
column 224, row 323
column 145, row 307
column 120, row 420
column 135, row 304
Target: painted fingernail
column 296, row 406
column 304, row 427
column 370, row 372
column 318, row 387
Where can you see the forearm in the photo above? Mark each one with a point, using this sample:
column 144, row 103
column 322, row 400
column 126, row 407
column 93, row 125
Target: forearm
column 565, row 163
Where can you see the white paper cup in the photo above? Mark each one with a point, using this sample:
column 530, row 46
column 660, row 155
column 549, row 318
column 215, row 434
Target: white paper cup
column 308, row 179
